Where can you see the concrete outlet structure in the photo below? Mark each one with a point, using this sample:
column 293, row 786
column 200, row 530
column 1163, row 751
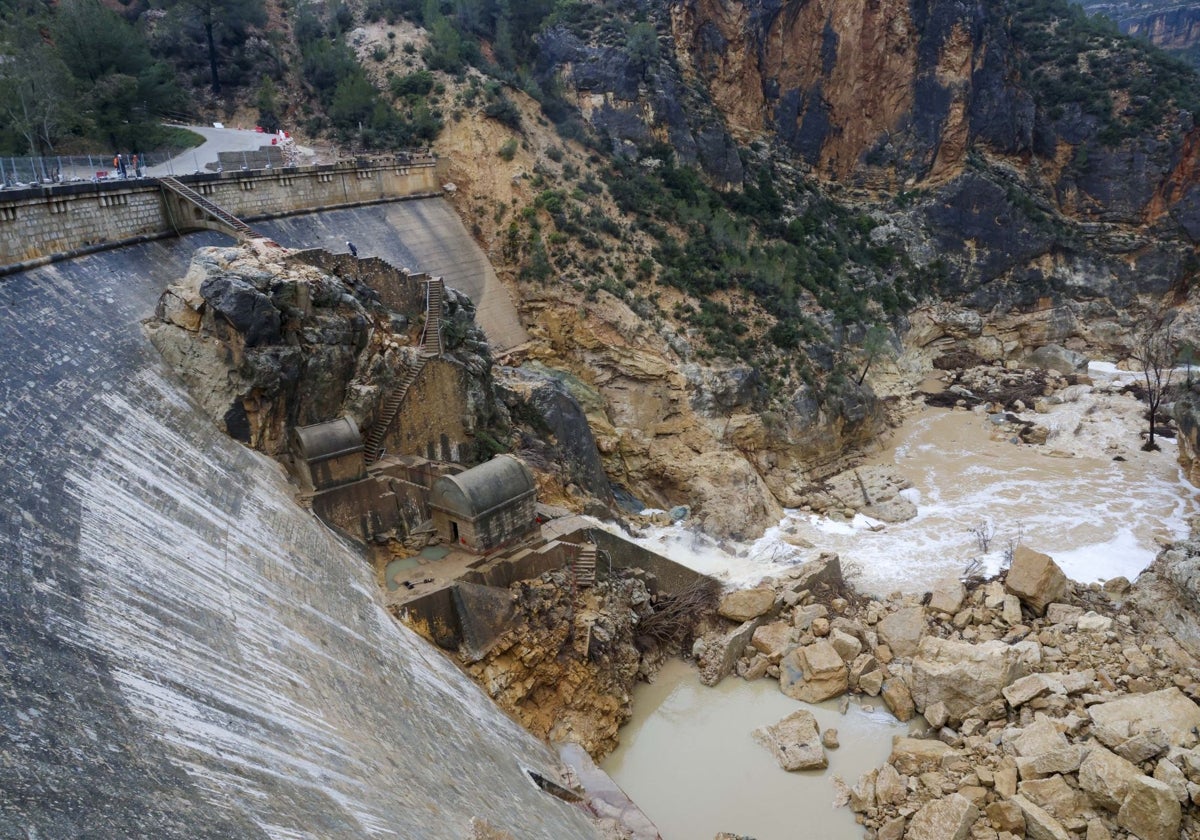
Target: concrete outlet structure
column 486, row 506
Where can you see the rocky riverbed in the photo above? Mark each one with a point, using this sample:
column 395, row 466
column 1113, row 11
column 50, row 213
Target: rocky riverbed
column 1047, row 708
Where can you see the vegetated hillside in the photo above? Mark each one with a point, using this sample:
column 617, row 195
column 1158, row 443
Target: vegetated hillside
column 721, row 217
column 1172, row 26
column 759, row 195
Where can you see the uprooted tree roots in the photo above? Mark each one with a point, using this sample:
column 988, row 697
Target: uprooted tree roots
column 676, row 616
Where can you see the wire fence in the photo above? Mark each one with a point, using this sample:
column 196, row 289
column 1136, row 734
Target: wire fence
column 38, row 171
column 24, row 172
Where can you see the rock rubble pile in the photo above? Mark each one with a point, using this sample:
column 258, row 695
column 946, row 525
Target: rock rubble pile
column 1049, row 709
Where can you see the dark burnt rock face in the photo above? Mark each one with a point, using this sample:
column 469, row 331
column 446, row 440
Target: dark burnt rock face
column 248, row 311
column 694, row 129
column 546, row 404
column 946, row 99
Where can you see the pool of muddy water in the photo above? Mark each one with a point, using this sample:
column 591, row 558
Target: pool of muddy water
column 689, row 761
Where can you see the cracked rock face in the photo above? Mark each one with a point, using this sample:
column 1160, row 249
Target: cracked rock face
column 266, row 343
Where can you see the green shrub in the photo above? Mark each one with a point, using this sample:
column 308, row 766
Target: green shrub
column 508, row 149
column 419, row 83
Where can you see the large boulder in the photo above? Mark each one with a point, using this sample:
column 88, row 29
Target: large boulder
column 1028, row 688
column 746, row 604
column 1059, row 799
column 950, row 818
column 1169, row 710
column 1036, row 579
column 1150, row 810
column 914, row 756
column 1039, row 823
column 902, row 630
column 814, row 673
column 962, row 675
column 773, row 640
column 898, row 699
column 795, row 742
column 1056, row 357
column 1042, row 750
column 947, row 596
column 1105, row 776
column 846, row 644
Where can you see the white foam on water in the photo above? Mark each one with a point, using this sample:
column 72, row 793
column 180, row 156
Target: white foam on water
column 1089, row 497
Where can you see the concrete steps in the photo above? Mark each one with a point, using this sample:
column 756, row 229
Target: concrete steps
column 583, row 569
column 373, row 446
column 431, row 335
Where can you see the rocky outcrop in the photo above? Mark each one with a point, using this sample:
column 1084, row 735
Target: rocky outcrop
column 266, row 343
column 692, row 435
column 545, row 400
column 633, row 100
column 566, row 670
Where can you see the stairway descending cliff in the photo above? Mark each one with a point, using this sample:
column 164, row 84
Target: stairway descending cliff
column 373, row 447
column 236, row 226
column 431, row 335
column 584, row 567
column 431, row 348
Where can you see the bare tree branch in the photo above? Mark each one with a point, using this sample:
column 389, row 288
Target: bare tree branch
column 1155, row 349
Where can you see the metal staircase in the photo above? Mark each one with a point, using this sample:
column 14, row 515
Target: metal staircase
column 240, row 229
column 373, row 448
column 430, row 348
column 431, row 335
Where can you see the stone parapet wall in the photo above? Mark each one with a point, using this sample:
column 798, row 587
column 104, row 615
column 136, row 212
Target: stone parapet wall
column 38, row 223
column 44, row 223
column 399, row 289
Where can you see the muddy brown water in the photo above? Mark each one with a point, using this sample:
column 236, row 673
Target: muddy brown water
column 1089, row 497
column 689, row 761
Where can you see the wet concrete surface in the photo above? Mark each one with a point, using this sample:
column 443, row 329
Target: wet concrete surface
column 187, row 653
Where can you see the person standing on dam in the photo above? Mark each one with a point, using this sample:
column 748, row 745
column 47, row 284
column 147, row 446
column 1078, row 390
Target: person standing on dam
column 350, row 247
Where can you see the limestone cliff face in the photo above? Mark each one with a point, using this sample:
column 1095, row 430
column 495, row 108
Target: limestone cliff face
column 1172, row 29
column 1023, row 187
column 893, row 94
column 1170, row 25
column 836, row 80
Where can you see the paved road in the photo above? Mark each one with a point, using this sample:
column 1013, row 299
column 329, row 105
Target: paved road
column 216, row 140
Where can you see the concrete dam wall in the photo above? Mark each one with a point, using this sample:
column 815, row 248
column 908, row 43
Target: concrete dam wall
column 187, row 653
column 42, row 221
